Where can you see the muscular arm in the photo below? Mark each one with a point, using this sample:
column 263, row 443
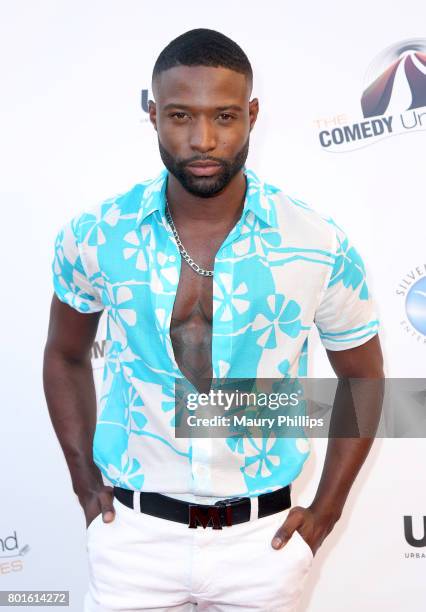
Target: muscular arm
column 71, row 398
column 344, row 456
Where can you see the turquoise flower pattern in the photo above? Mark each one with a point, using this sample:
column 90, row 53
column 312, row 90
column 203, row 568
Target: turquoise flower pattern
column 349, row 269
column 282, row 268
column 283, row 316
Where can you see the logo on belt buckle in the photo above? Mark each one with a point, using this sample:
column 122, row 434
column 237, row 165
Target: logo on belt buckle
column 207, row 514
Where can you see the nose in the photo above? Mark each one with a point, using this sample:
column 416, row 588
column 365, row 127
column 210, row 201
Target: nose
column 203, row 135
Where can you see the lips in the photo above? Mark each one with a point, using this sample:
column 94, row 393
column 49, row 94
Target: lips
column 206, row 168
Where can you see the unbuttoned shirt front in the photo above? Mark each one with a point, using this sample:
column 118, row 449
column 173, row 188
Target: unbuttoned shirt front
column 281, row 269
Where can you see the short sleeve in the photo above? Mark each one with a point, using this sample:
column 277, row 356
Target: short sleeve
column 346, row 316
column 70, row 280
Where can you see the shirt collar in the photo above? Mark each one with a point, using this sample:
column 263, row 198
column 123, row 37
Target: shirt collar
column 259, row 198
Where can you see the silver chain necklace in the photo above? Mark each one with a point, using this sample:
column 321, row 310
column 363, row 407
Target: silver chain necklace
column 182, row 249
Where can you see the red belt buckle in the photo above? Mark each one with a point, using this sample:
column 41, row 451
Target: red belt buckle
column 204, row 515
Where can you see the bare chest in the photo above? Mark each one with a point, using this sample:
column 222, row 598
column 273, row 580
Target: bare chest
column 192, row 315
column 191, row 325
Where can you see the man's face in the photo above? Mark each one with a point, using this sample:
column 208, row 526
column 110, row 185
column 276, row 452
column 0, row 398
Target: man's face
column 203, row 119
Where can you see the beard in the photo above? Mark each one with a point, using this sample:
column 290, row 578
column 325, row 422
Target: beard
column 204, row 186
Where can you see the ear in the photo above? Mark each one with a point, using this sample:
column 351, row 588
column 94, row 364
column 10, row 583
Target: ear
column 152, row 111
column 253, row 111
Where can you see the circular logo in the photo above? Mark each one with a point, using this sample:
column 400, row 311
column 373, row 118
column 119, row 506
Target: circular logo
column 415, row 305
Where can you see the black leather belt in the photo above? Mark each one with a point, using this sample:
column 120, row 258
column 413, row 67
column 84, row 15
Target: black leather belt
column 224, row 513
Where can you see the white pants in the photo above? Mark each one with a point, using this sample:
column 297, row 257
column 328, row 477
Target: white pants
column 142, row 562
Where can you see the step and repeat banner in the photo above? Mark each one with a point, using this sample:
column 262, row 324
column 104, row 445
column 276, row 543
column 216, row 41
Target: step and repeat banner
column 342, row 127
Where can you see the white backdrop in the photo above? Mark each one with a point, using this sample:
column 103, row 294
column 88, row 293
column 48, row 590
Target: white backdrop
column 73, row 132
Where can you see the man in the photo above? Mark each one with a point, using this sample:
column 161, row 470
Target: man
column 205, row 272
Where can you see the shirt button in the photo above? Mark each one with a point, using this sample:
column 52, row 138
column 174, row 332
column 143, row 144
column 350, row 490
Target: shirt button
column 200, row 470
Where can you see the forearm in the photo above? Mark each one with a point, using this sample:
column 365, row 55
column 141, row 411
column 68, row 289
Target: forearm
column 343, row 461
column 354, row 420
column 71, row 398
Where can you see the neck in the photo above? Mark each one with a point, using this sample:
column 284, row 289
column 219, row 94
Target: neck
column 223, row 208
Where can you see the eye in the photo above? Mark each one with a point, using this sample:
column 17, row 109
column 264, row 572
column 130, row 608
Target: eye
column 179, row 115
column 226, row 117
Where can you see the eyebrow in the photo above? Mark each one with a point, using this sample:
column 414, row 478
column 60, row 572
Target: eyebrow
column 234, row 107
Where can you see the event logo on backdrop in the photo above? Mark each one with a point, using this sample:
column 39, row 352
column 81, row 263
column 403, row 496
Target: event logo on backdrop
column 11, row 553
column 144, row 105
column 392, row 102
column 144, row 100
column 97, row 353
column 414, row 541
column 412, row 289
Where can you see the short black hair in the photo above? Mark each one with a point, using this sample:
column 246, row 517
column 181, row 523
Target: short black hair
column 203, row 47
